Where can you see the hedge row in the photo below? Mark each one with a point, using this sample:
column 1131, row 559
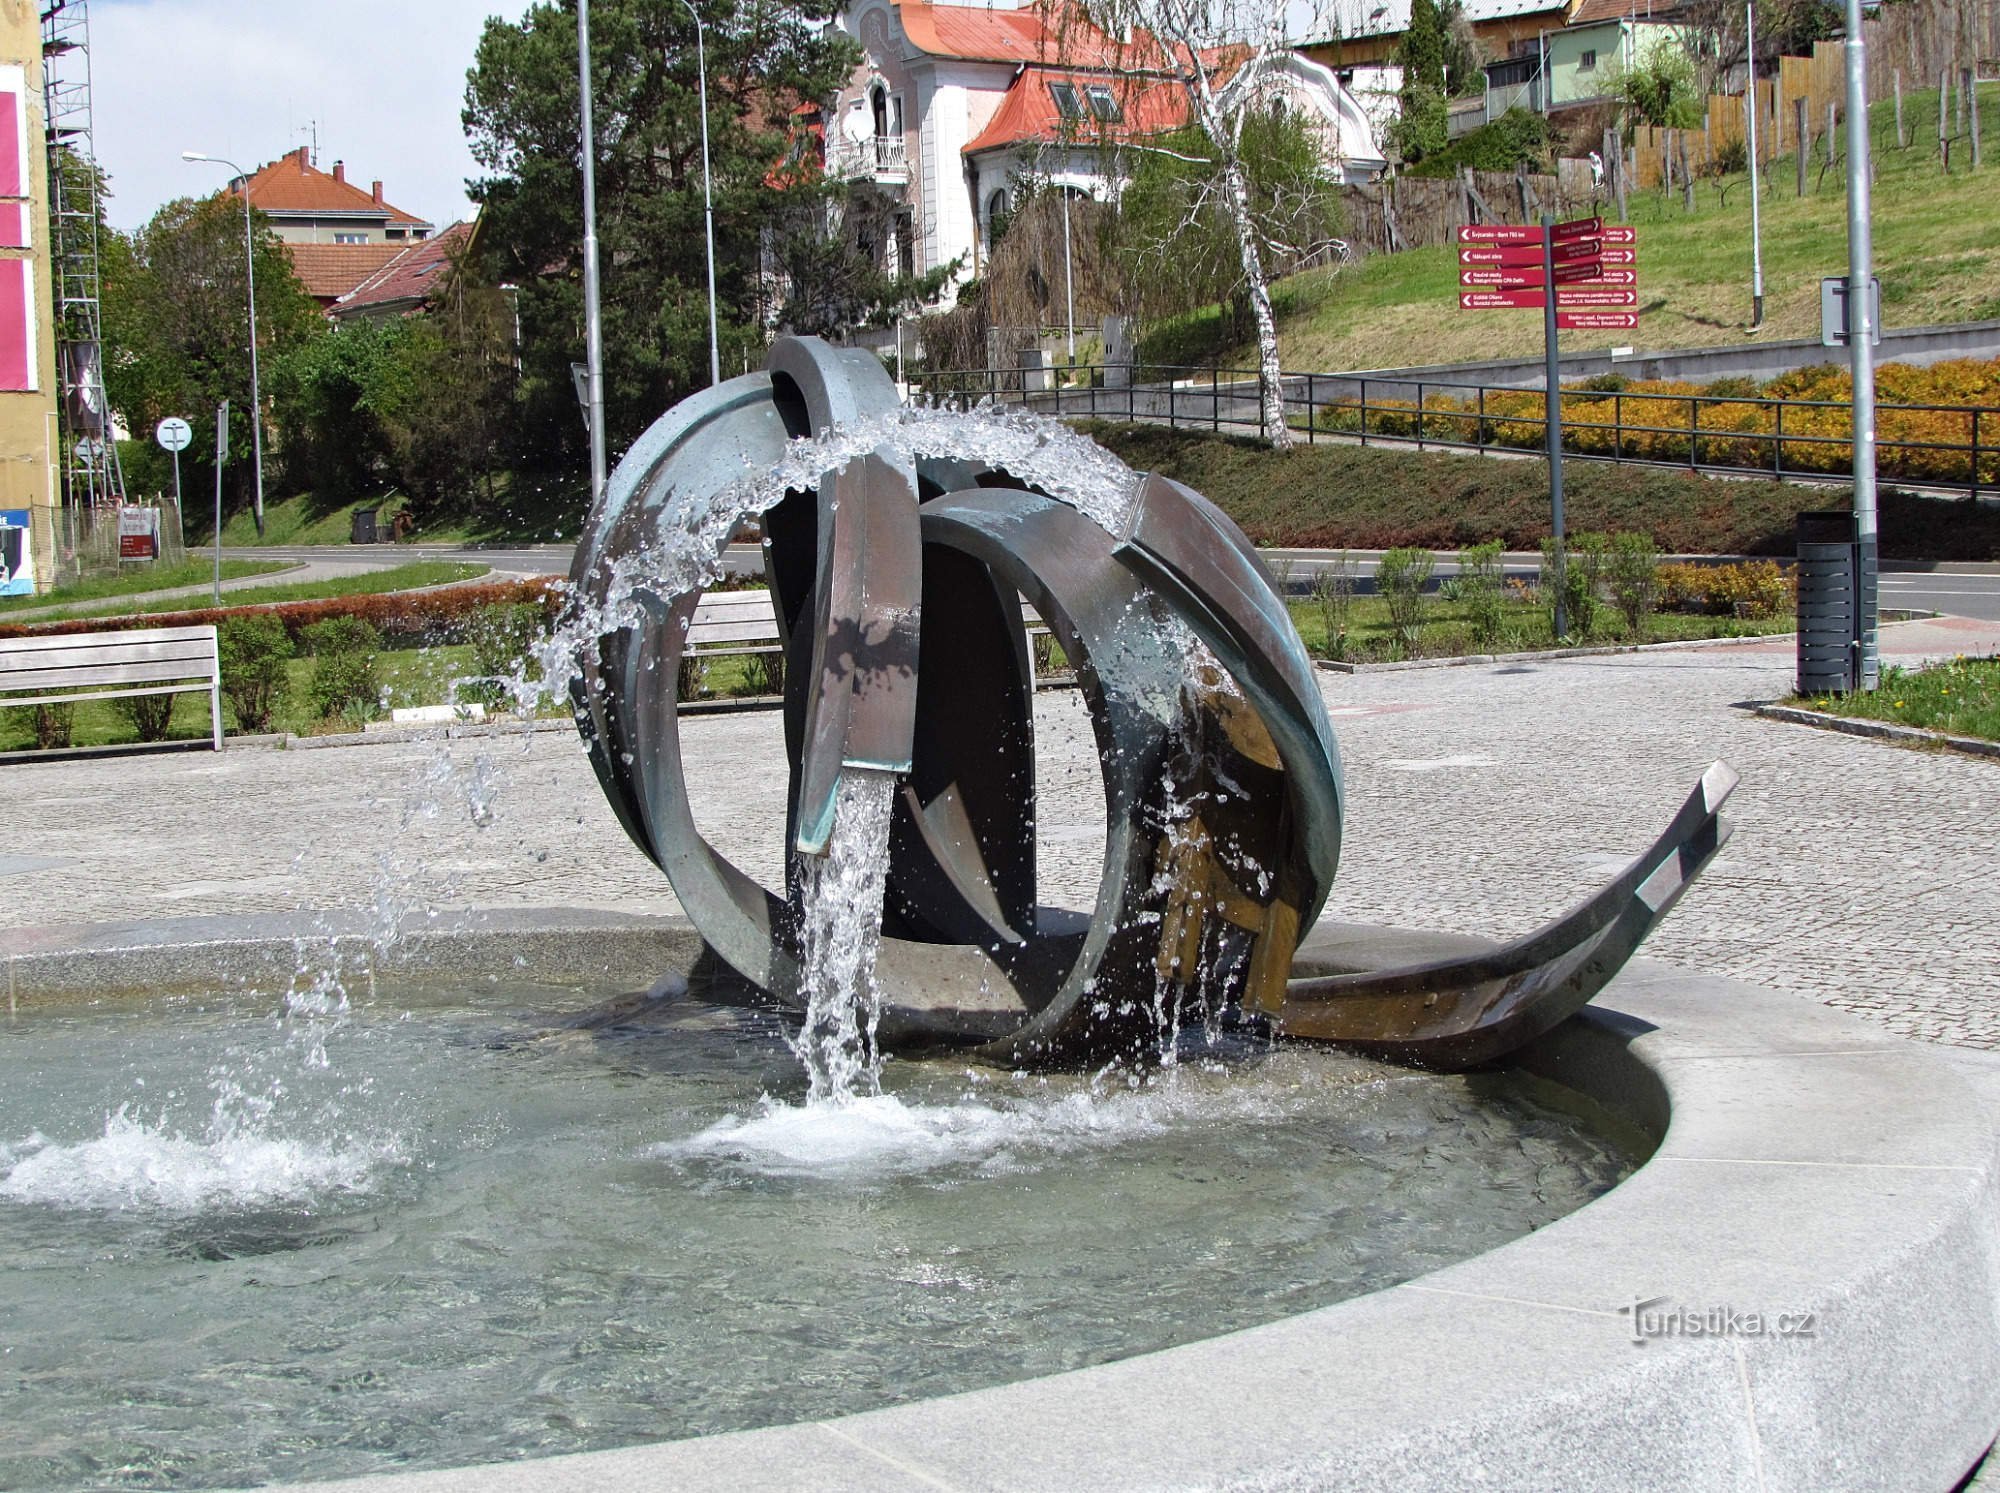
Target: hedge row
column 404, row 618
column 1682, row 422
column 1342, row 496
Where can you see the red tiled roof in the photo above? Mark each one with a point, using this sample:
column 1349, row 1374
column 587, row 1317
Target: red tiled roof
column 411, row 275
column 1037, row 33
column 291, row 184
column 329, row 271
column 1587, row 12
column 1028, row 113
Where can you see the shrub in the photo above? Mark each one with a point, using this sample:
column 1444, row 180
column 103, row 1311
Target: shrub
column 1635, row 563
column 150, row 715
column 1333, row 599
column 53, row 724
column 343, row 681
column 253, row 652
column 1590, row 557
column 1401, row 576
column 1479, row 591
column 1578, row 594
column 1754, row 589
column 503, row 637
column 764, row 674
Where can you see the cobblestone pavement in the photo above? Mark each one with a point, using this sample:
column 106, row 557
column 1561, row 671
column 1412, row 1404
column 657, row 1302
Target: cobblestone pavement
column 1481, row 799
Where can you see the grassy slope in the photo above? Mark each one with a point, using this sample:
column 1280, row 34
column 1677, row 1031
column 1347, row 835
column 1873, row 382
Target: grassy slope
column 531, row 510
column 1351, row 497
column 1937, row 251
column 132, row 582
column 397, row 578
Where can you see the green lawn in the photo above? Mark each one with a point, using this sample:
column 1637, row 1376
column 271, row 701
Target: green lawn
column 136, row 579
column 397, row 578
column 1961, row 697
column 1447, row 629
column 1937, row 250
column 526, row 509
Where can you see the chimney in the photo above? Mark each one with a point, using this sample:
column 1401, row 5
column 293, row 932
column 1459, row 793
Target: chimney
column 340, row 171
column 378, row 194
column 304, row 155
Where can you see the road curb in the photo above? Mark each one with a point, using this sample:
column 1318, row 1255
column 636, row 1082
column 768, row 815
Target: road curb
column 1971, row 746
column 1464, row 659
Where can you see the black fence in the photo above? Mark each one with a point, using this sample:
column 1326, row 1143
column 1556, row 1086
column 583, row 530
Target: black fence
column 1929, row 445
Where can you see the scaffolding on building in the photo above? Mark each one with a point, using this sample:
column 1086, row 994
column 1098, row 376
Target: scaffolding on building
column 88, row 457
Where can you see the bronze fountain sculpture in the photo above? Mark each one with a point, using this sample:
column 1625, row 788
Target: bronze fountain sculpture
column 897, row 577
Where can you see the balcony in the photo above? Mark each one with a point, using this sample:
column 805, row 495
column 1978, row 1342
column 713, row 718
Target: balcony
column 877, row 158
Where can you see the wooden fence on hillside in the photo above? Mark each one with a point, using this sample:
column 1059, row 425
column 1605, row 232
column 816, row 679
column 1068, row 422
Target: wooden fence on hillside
column 1416, row 212
column 1909, row 47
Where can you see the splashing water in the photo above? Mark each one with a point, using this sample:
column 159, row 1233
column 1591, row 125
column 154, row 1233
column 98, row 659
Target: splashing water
column 840, row 936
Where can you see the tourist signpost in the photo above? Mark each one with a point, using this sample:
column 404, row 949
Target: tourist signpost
column 1581, row 275
column 176, row 435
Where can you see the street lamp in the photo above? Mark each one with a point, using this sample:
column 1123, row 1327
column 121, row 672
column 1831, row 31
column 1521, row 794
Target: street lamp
column 707, row 198
column 250, row 278
column 593, row 326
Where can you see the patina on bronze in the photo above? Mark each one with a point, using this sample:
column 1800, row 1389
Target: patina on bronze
column 898, row 586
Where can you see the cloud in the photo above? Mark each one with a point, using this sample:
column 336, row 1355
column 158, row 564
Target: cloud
column 384, row 81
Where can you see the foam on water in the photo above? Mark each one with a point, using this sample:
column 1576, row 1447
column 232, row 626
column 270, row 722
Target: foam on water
column 882, row 1136
column 139, row 1165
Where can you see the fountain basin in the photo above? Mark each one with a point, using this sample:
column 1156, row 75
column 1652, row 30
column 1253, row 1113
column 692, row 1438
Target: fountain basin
column 1807, row 1166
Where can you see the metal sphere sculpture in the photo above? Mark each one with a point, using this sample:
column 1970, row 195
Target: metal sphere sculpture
column 897, row 576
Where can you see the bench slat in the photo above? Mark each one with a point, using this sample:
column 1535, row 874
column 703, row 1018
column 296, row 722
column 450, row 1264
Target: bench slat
column 144, row 672
column 733, row 632
column 202, row 687
column 196, row 655
column 137, row 635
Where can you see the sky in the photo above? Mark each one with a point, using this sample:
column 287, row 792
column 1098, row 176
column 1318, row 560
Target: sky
column 383, row 80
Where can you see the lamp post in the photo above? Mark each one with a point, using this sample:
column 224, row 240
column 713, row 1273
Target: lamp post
column 250, row 279
column 593, row 326
column 1756, row 220
column 1861, row 331
column 707, row 196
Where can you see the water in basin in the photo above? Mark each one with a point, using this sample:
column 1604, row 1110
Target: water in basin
column 246, row 1240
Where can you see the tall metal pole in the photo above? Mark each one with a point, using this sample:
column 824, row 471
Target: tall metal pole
column 1756, row 215
column 1069, row 281
column 707, row 193
column 1552, row 418
column 250, row 279
column 1861, row 332
column 593, row 328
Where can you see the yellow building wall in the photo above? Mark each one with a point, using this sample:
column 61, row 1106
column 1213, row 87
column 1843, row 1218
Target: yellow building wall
column 28, row 420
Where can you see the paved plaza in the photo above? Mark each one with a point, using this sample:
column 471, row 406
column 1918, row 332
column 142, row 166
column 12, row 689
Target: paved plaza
column 1481, row 799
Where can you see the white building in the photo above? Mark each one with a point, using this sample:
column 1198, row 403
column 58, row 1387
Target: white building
column 952, row 103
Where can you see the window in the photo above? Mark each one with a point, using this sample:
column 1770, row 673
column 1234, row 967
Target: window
column 1587, row 63
column 350, row 238
column 1104, row 104
column 392, row 233
column 1067, row 103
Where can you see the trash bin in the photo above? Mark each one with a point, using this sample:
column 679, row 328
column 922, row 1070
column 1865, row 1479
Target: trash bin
column 1829, row 598
column 364, row 527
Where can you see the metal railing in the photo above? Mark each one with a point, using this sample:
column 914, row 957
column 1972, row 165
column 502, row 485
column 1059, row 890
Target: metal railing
column 1929, row 445
column 875, row 155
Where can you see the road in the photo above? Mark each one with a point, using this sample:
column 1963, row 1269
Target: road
column 1961, row 590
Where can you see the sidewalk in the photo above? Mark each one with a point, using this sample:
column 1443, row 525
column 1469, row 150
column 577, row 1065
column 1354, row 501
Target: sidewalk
column 1482, row 799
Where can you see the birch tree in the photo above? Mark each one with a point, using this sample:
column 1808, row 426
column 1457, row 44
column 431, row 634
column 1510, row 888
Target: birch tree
column 1215, row 52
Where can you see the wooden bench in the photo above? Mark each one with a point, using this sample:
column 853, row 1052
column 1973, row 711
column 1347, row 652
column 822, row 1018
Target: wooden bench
column 731, row 622
column 110, row 665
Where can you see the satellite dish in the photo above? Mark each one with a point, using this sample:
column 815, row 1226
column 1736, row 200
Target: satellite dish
column 855, row 123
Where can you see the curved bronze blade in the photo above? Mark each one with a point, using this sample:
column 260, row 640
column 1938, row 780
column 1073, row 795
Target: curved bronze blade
column 1458, row 1013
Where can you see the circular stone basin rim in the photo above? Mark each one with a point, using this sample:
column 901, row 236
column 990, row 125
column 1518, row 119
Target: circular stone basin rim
column 1809, row 1168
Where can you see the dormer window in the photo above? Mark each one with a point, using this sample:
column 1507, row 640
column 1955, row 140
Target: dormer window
column 1067, row 103
column 1104, row 104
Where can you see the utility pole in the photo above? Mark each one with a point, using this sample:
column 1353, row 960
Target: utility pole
column 1756, row 217
column 1861, row 332
column 593, row 328
column 707, row 197
column 1552, row 419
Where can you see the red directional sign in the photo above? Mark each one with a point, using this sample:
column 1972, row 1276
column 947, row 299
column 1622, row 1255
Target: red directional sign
column 1532, row 299
column 1617, row 234
column 1576, row 248
column 1501, row 278
column 1509, row 254
column 1577, row 228
column 1498, row 233
column 1618, row 256
column 1597, row 321
column 1578, row 269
